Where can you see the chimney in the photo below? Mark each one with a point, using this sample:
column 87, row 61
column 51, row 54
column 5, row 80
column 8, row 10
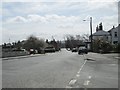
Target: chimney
column 97, row 28
column 113, row 27
column 100, row 26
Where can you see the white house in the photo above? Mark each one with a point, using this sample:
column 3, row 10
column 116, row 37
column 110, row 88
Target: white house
column 115, row 34
column 101, row 34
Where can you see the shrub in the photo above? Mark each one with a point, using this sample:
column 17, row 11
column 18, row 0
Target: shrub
column 103, row 46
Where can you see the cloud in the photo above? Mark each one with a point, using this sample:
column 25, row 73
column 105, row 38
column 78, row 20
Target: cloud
column 66, row 26
column 45, row 19
column 103, row 0
column 17, row 19
column 54, row 18
column 44, row 0
column 102, row 4
column 36, row 18
column 58, row 0
column 109, row 21
column 60, row 8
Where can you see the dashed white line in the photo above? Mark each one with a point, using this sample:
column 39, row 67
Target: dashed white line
column 77, row 75
column 82, row 67
column 86, row 82
column 89, row 77
column 117, row 57
column 68, row 87
column 72, row 82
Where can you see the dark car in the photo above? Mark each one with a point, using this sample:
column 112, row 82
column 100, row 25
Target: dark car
column 74, row 49
column 49, row 49
column 82, row 50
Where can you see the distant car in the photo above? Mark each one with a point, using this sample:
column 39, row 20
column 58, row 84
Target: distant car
column 74, row 49
column 41, row 51
column 49, row 49
column 68, row 49
column 32, row 51
column 82, row 50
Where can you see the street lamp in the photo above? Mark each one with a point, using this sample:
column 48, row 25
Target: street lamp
column 91, row 36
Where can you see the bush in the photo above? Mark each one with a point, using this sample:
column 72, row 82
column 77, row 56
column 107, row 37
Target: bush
column 116, row 48
column 101, row 46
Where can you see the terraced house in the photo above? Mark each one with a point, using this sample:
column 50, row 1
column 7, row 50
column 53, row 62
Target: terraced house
column 112, row 35
column 100, row 34
column 115, row 34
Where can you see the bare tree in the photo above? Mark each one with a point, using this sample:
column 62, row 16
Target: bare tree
column 85, row 37
column 74, row 41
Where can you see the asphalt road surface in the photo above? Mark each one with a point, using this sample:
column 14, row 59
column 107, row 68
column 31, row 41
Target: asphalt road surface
column 62, row 69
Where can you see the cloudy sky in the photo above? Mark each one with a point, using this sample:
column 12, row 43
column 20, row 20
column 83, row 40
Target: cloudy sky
column 55, row 18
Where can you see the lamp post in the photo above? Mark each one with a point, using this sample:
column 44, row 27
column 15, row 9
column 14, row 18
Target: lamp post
column 91, row 33
column 91, row 36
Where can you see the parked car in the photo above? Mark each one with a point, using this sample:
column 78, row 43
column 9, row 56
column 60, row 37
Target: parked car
column 49, row 49
column 32, row 51
column 82, row 50
column 74, row 50
column 41, row 51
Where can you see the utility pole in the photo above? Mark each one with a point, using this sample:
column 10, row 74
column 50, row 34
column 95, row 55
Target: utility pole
column 91, row 34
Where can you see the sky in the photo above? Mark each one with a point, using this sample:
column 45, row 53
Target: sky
column 55, row 18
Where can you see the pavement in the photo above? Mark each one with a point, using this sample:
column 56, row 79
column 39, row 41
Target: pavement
column 19, row 57
column 62, row 69
column 113, row 55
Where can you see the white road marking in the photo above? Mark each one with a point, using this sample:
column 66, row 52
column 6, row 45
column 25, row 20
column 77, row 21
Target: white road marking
column 113, row 64
column 89, row 77
column 82, row 67
column 77, row 75
column 72, row 82
column 68, row 87
column 117, row 57
column 86, row 82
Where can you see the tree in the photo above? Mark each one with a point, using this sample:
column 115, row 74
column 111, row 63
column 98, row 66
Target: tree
column 18, row 45
column 116, row 48
column 85, row 37
column 69, row 41
column 34, row 43
column 105, row 46
column 47, row 41
column 74, row 41
column 100, row 45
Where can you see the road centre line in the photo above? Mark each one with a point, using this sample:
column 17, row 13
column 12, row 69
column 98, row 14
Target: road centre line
column 73, row 81
column 81, row 67
column 89, row 77
column 86, row 83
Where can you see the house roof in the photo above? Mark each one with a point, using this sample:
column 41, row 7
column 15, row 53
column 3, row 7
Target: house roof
column 115, row 28
column 101, row 33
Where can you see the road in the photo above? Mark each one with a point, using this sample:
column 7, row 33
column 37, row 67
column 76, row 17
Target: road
column 62, row 69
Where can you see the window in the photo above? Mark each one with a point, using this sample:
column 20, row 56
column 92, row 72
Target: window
column 115, row 34
column 115, row 42
column 106, row 37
